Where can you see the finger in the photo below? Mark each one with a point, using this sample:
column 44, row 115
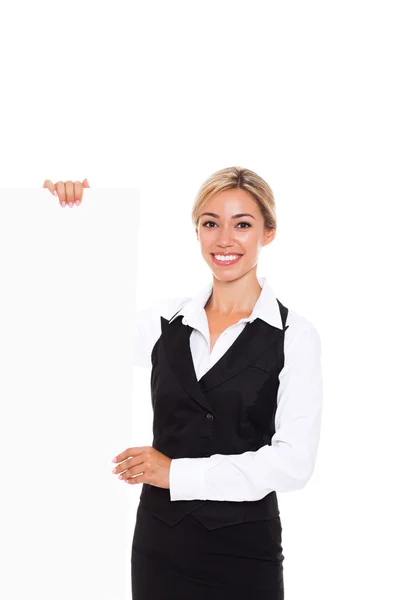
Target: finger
column 85, row 183
column 69, row 191
column 129, row 463
column 142, row 468
column 78, row 192
column 139, row 470
column 137, row 479
column 60, row 190
column 129, row 452
column 50, row 186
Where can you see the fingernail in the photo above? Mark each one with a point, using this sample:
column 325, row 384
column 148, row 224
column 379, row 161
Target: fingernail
column 77, row 202
column 63, row 203
column 70, row 204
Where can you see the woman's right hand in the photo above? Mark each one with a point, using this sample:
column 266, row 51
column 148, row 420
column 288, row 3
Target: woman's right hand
column 68, row 192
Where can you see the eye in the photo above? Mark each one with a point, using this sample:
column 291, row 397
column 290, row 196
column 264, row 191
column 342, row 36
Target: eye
column 244, row 223
column 205, row 224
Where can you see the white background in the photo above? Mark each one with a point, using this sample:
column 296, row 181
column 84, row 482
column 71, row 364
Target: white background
column 158, row 96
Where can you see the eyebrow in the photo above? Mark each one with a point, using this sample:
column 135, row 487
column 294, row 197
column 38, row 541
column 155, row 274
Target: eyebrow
column 238, row 216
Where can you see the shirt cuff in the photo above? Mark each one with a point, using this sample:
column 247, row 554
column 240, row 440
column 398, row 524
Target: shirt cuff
column 187, row 478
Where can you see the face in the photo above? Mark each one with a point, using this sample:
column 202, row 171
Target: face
column 231, row 233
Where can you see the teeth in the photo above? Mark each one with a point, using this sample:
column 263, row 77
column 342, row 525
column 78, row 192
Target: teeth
column 226, row 258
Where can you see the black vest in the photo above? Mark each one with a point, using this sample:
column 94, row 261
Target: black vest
column 230, row 410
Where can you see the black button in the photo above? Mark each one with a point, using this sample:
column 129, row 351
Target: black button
column 210, row 416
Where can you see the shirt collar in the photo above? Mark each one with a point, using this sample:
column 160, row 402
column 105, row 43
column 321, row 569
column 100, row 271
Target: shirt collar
column 266, row 307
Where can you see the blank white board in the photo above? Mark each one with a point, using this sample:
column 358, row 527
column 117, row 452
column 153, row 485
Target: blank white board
column 67, row 304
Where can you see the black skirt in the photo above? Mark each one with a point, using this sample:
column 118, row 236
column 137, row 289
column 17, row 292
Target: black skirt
column 189, row 562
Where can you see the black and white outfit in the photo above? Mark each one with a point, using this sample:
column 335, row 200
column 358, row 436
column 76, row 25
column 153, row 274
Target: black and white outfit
column 240, row 424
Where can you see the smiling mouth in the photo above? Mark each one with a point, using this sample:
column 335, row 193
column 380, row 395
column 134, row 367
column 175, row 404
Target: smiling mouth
column 226, row 259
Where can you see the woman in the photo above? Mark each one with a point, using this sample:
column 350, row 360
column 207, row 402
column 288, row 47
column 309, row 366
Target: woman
column 236, row 389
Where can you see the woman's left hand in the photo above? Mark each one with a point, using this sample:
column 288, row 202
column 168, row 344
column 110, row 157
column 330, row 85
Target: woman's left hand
column 147, row 460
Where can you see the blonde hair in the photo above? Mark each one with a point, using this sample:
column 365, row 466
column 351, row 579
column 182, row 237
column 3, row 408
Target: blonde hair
column 237, row 177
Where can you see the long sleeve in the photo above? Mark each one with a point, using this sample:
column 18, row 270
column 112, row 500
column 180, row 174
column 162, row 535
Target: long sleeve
column 285, row 465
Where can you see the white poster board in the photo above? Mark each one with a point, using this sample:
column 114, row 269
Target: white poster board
column 67, row 304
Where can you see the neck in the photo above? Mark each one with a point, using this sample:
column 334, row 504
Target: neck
column 234, row 297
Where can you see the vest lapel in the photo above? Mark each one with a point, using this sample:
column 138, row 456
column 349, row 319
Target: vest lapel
column 175, row 339
column 253, row 340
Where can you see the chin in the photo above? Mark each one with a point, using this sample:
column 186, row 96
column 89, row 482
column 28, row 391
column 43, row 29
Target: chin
column 225, row 275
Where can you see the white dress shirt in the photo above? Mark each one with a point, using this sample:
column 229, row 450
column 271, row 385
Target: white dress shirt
column 288, row 463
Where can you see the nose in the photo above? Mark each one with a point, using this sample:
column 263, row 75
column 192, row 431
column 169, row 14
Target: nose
column 225, row 237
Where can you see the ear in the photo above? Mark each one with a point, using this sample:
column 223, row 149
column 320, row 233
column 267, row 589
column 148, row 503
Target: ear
column 269, row 235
